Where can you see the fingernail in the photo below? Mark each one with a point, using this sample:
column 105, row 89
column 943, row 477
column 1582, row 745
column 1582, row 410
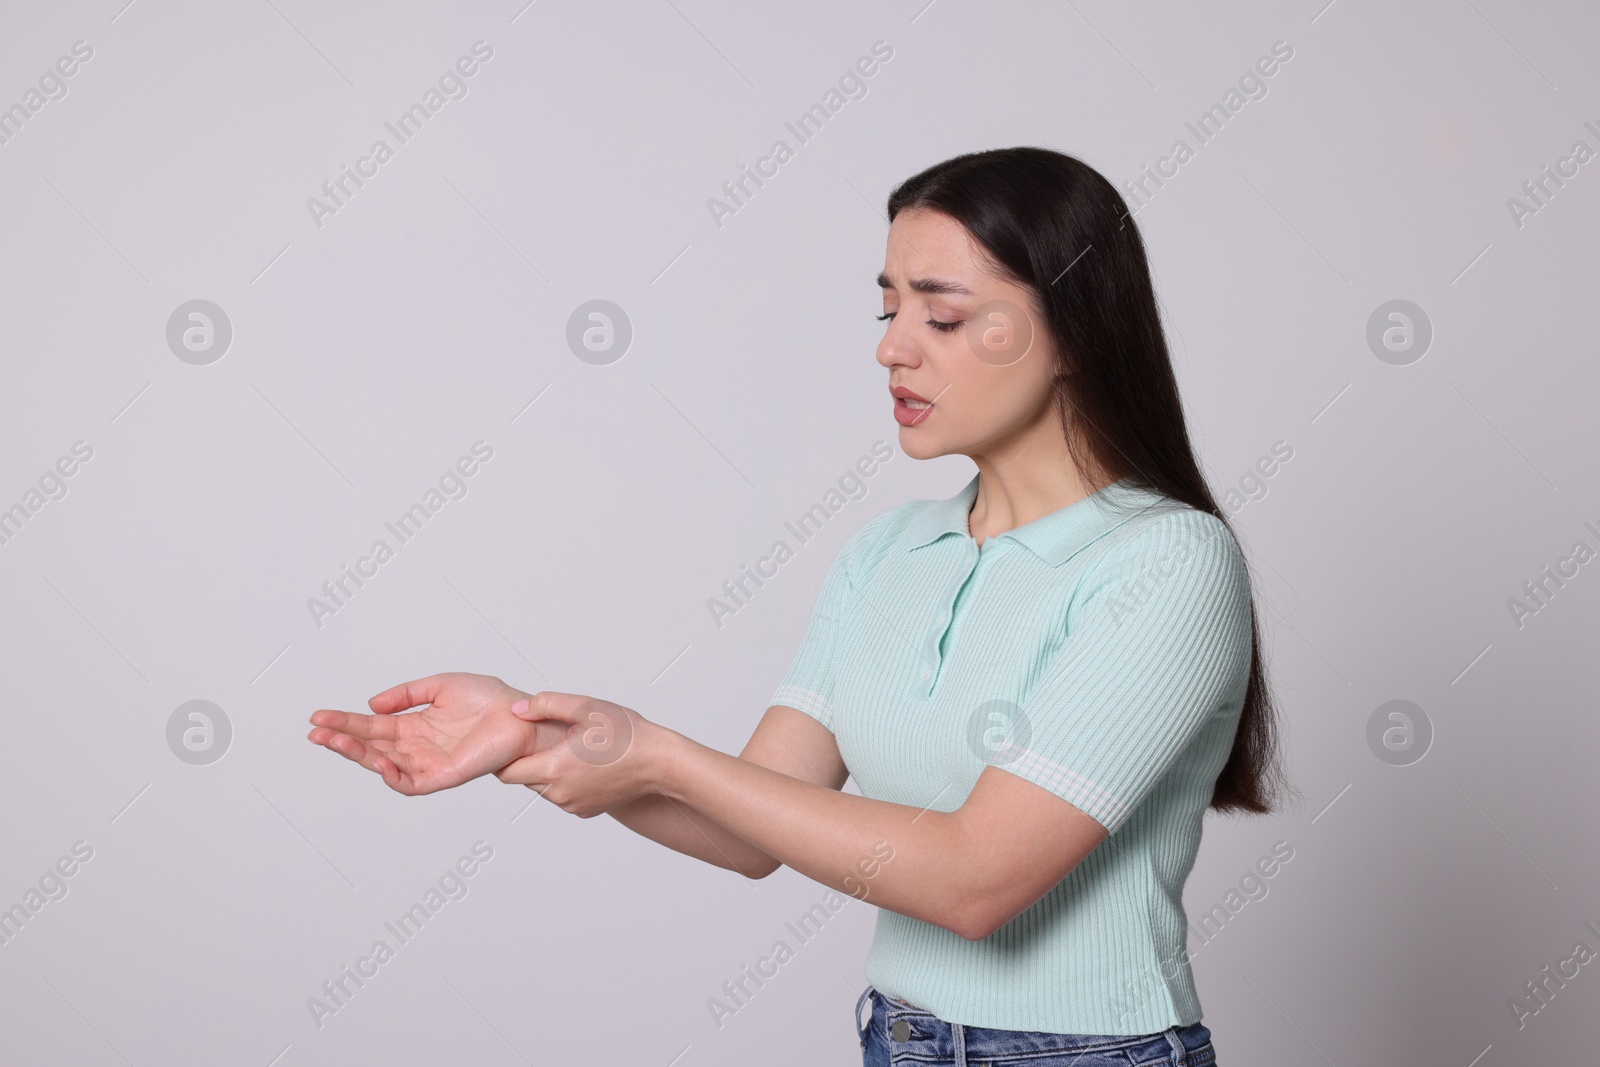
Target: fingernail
column 520, row 707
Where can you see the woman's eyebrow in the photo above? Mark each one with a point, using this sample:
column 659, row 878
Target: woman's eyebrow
column 928, row 285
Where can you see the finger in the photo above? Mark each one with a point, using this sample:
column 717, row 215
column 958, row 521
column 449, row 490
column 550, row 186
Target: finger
column 533, row 771
column 547, row 705
column 370, row 727
column 407, row 695
column 517, row 772
column 392, row 776
column 351, row 748
column 370, row 757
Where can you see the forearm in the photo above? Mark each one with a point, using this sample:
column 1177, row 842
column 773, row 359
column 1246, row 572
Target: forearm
column 679, row 827
column 673, row 823
column 913, row 854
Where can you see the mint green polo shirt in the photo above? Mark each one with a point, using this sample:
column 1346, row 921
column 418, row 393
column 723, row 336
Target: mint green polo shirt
column 1100, row 652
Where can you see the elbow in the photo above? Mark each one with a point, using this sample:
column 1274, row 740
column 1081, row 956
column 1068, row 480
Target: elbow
column 983, row 906
column 761, row 869
column 975, row 905
column 975, row 919
column 974, row 930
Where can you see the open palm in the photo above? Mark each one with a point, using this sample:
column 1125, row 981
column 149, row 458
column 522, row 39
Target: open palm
column 466, row 730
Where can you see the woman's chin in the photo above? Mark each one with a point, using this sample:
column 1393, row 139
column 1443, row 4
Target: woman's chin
column 917, row 443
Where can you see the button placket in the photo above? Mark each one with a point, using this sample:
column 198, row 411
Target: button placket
column 934, row 660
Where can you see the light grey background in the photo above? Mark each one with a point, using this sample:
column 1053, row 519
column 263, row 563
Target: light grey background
column 431, row 311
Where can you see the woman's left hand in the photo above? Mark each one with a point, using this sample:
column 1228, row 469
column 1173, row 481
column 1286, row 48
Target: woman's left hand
column 611, row 754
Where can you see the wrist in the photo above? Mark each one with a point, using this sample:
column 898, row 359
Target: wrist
column 541, row 733
column 669, row 751
column 545, row 733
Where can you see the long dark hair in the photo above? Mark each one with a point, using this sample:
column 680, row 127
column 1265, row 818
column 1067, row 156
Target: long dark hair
column 1058, row 227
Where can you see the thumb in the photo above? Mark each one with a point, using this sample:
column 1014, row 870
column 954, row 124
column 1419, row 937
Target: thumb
column 567, row 707
column 536, row 770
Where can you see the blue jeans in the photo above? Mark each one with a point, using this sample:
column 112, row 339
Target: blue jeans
column 897, row 1033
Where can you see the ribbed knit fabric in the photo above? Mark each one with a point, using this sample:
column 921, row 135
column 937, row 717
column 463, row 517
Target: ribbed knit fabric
column 1100, row 652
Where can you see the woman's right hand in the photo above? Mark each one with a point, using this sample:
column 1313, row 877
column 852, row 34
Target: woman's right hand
column 466, row 730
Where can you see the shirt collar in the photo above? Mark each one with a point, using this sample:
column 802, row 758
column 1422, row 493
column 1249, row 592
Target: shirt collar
column 1054, row 538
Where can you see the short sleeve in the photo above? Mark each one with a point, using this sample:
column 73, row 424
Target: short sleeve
column 1159, row 645
column 809, row 685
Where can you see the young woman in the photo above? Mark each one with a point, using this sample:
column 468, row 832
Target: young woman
column 1039, row 685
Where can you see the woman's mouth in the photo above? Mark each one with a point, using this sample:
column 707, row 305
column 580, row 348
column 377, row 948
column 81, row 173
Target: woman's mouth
column 909, row 411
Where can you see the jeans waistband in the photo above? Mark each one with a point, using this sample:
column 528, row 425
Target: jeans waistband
column 926, row 1036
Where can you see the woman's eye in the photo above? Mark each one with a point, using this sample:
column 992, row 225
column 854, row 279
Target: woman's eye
column 942, row 327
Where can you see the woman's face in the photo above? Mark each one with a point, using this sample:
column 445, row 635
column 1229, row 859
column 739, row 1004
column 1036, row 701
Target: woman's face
column 965, row 339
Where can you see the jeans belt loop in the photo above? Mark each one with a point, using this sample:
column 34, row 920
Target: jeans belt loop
column 861, row 1031
column 1180, row 1052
